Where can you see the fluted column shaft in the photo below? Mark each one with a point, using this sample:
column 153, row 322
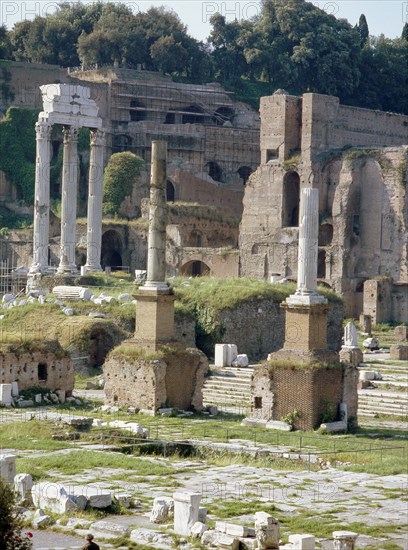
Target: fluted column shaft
column 41, row 198
column 95, row 196
column 308, row 242
column 156, row 258
column 69, row 200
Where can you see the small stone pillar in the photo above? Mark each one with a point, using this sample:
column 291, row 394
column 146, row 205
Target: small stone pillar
column 186, row 508
column 69, row 201
column 266, row 531
column 8, row 468
column 95, row 197
column 344, row 540
column 41, row 198
column 350, row 352
column 6, row 394
column 365, row 324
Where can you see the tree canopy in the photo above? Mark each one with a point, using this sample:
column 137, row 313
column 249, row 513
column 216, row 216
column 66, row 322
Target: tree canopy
column 290, row 44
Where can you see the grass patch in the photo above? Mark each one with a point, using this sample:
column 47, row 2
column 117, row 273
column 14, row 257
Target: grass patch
column 79, row 461
column 33, row 435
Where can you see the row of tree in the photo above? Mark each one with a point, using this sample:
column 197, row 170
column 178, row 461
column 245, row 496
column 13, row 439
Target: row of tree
column 291, row 44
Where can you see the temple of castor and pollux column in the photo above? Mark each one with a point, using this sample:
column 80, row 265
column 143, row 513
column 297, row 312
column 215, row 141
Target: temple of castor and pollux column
column 249, row 178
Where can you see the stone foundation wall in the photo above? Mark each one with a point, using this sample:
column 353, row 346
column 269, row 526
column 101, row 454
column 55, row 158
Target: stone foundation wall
column 45, row 370
column 175, row 380
column 258, row 327
column 284, row 389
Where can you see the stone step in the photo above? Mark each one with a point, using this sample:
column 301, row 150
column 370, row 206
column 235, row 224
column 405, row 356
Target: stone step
column 212, row 399
column 244, row 373
column 385, row 394
column 391, row 382
column 238, row 385
column 381, row 399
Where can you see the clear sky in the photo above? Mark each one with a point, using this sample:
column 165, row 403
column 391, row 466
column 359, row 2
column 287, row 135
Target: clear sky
column 383, row 16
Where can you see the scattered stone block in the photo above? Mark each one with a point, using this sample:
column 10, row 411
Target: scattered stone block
column 124, row 499
column 78, row 523
column 110, row 528
column 209, row 537
column 41, row 519
column 72, row 293
column 96, row 497
column 186, row 507
column 23, row 483
column 61, row 395
column 53, row 497
column 5, row 395
column 371, row 343
column 278, row 425
column 266, row 531
column 163, row 508
column 38, row 398
column 14, row 389
column 344, row 540
column 202, row 514
column 334, row 427
column 401, row 333
column 302, row 542
column 352, row 356
column 221, row 355
column 81, row 423
column 198, row 529
column 399, row 352
column 240, row 361
column 154, row 539
column 25, row 403
column 8, row 468
column 125, row 297
column 227, row 542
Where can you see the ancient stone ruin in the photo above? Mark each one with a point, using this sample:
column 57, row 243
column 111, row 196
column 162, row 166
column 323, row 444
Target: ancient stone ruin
column 71, row 107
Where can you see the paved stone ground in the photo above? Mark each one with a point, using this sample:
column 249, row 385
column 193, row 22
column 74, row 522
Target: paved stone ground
column 48, row 539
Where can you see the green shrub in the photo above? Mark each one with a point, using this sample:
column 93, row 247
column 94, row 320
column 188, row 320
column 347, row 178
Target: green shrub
column 121, row 173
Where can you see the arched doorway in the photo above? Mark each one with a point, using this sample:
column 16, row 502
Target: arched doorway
column 244, row 173
column 223, row 115
column 137, row 111
column 214, row 171
column 192, row 115
column 290, row 200
column 111, row 254
column 195, row 268
column 321, row 264
column 170, row 191
column 325, row 234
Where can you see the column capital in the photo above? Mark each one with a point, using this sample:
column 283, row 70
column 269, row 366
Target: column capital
column 42, row 130
column 70, row 133
column 97, row 137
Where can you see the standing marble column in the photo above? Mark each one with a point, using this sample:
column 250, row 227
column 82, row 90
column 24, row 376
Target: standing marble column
column 41, row 198
column 95, row 196
column 156, row 255
column 306, row 291
column 69, row 200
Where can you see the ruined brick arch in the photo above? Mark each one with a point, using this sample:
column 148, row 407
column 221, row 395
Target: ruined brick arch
column 195, row 268
column 192, row 115
column 137, row 111
column 214, row 171
column 223, row 115
column 170, row 191
column 325, row 234
column 244, row 173
column 290, row 200
column 112, row 249
column 321, row 264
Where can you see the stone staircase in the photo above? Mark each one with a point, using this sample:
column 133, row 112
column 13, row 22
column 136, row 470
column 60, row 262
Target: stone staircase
column 389, row 396
column 230, row 390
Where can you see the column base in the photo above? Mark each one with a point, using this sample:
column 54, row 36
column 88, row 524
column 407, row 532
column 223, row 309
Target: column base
column 92, row 268
column 67, row 270
column 36, row 269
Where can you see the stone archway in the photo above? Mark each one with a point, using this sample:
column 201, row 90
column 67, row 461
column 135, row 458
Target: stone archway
column 112, row 250
column 290, row 200
column 170, row 191
column 325, row 234
column 195, row 268
column 214, row 171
